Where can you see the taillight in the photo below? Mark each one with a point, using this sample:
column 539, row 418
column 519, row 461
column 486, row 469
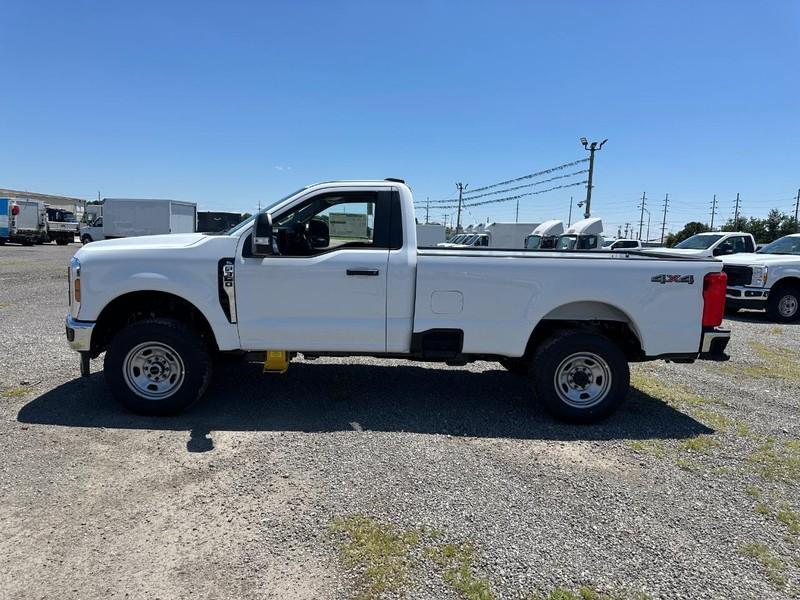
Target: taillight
column 714, row 288
column 14, row 210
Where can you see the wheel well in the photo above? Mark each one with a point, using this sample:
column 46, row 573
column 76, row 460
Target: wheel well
column 787, row 281
column 137, row 306
column 618, row 331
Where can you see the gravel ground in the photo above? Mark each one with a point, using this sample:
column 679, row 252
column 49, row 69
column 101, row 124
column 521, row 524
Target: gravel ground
column 690, row 491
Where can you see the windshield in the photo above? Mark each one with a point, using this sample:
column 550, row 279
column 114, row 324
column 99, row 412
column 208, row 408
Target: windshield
column 785, row 245
column 699, row 242
column 567, row 242
column 249, row 220
column 533, row 242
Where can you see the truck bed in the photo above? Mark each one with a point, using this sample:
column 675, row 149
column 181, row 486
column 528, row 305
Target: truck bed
column 494, row 296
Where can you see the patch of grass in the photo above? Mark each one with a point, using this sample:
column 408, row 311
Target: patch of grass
column 587, row 593
column 753, row 491
column 763, row 508
column 379, row 553
column 655, row 448
column 713, row 419
column 457, row 561
column 780, row 363
column 672, row 394
column 778, row 461
column 14, row 392
column 776, row 330
column 790, row 518
column 687, row 464
column 773, row 565
column 699, row 444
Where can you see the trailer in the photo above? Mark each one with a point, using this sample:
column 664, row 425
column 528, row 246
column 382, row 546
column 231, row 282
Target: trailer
column 430, row 234
column 133, row 217
column 216, row 221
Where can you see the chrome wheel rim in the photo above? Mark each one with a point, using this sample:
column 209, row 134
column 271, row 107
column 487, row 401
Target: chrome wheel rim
column 787, row 306
column 582, row 380
column 153, row 370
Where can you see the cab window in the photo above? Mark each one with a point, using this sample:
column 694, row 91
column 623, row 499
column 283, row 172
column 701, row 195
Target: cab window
column 331, row 222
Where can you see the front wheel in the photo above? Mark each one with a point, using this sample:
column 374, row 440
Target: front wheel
column 783, row 304
column 86, row 239
column 157, row 367
column 580, row 377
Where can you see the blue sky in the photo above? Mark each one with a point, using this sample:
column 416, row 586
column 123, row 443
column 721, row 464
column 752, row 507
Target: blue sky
column 229, row 103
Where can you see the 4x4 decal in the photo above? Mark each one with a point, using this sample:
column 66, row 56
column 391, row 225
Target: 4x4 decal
column 672, row 279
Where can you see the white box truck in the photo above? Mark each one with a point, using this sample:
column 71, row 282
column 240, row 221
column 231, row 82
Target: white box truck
column 132, row 217
column 430, row 234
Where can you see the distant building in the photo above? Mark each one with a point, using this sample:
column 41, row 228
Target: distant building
column 74, row 205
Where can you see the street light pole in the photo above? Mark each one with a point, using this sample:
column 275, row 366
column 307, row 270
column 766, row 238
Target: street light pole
column 592, row 148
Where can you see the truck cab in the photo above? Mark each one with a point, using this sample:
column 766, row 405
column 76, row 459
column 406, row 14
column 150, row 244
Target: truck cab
column 582, row 235
column 545, row 235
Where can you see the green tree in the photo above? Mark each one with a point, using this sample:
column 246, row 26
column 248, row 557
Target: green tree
column 690, row 229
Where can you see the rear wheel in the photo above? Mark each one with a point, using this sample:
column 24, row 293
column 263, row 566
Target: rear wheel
column 580, row 377
column 62, row 242
column 86, row 239
column 157, row 367
column 783, row 304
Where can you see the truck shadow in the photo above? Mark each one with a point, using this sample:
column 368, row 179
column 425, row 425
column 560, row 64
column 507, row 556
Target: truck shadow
column 314, row 397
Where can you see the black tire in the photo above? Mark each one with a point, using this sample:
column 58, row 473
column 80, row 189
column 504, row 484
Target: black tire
column 2, row 241
column 783, row 303
column 62, row 242
column 732, row 310
column 86, row 239
column 516, row 366
column 190, row 352
column 551, row 357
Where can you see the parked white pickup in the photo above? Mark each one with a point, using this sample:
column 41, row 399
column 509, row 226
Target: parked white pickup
column 160, row 306
column 768, row 279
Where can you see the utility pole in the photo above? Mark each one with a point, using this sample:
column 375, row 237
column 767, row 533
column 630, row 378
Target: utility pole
column 713, row 211
column 569, row 219
column 736, row 214
column 627, row 226
column 592, row 148
column 641, row 219
column 796, row 210
column 516, row 219
column 427, row 208
column 664, row 220
column 461, row 187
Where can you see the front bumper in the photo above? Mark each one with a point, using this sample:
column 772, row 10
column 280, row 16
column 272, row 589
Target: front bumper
column 79, row 334
column 743, row 296
column 713, row 344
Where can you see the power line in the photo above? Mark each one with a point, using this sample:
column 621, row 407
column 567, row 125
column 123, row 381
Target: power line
column 529, row 176
column 472, row 196
column 506, row 199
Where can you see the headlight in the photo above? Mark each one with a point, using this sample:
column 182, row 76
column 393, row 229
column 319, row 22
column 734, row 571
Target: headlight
column 759, row 276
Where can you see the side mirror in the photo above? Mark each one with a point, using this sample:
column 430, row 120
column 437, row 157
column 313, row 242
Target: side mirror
column 319, row 233
column 262, row 240
column 723, row 249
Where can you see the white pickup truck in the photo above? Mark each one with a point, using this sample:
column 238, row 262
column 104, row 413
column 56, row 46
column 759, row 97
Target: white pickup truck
column 710, row 244
column 768, row 279
column 300, row 278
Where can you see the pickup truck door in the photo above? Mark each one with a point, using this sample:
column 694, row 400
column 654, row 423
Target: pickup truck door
column 328, row 298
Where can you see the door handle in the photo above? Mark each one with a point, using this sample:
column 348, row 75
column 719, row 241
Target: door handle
column 366, row 272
